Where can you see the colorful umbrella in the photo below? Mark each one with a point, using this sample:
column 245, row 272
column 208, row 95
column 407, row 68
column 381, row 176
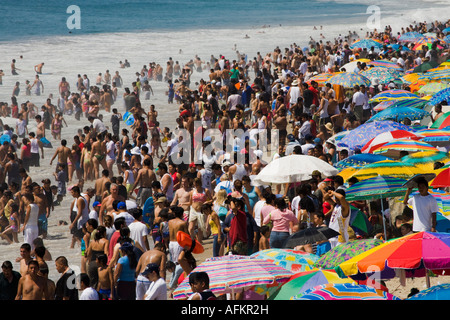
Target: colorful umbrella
column 443, row 95
column 291, row 260
column 421, row 250
column 410, row 36
column 322, row 78
column 437, row 292
column 358, row 137
column 439, row 75
column 231, row 274
column 394, row 148
column 346, row 291
column 384, row 64
column 433, row 87
column 376, row 188
column 383, row 105
column 442, row 223
column 351, row 66
column 418, row 103
column 343, row 252
column 442, row 122
column 359, row 160
column 349, row 79
column 425, row 41
column 310, row 235
column 300, row 282
column 387, row 168
column 400, row 114
column 442, row 179
column 425, row 160
column 393, row 95
column 366, row 43
column 386, row 137
column 384, row 75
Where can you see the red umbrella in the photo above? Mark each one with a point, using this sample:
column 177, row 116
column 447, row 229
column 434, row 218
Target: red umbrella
column 386, row 137
column 442, row 179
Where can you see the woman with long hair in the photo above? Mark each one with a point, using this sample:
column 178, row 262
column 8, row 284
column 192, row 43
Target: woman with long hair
column 283, row 221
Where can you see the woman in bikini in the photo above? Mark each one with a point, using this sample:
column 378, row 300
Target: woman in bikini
column 86, row 162
column 56, row 127
column 98, row 156
column 198, row 197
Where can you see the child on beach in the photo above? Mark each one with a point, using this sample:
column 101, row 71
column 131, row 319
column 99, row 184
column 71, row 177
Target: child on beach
column 264, row 240
column 60, row 177
column 199, row 282
column 105, row 286
column 13, row 228
column 147, row 88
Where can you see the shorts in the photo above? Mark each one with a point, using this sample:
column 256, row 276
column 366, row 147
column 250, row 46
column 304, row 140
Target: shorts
column 199, row 217
column 142, row 284
column 174, row 251
column 358, row 111
column 143, row 194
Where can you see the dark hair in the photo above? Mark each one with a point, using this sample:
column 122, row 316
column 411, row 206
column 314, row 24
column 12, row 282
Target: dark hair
column 198, row 277
column 280, row 203
column 118, row 223
column 84, row 278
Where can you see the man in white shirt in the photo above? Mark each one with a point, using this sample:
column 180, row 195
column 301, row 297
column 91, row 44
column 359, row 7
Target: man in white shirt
column 98, row 125
column 158, row 288
column 305, row 128
column 138, row 230
column 88, row 293
column 358, row 102
column 367, row 112
column 425, row 207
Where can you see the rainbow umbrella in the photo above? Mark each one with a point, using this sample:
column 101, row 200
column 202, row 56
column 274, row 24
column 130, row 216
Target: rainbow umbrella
column 421, row 250
column 303, row 281
column 346, row 291
column 439, row 75
column 292, row 260
column 393, row 95
column 383, row 105
column 349, row 79
column 433, row 87
column 425, row 41
column 400, row 114
column 443, row 95
column 386, row 137
column 442, row 122
column 359, row 160
column 425, row 160
column 393, row 149
column 231, row 274
column 437, row 292
column 387, row 168
column 385, row 64
column 322, row 78
column 384, row 75
column 358, row 137
column 410, row 36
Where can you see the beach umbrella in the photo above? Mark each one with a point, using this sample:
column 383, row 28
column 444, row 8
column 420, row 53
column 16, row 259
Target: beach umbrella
column 425, row 160
column 422, row 250
column 376, row 188
column 386, row 137
column 446, row 30
column 322, row 78
column 418, row 103
column 310, row 235
column 410, row 36
column 410, row 77
column 383, row 105
column 442, row 223
column 359, row 160
column 442, row 179
column 437, row 292
column 400, row 114
column 358, row 137
column 440, row 96
column 442, row 122
column 231, row 274
column 447, row 38
column 291, row 260
column 384, row 75
column 393, row 148
column 439, row 75
column 425, row 41
column 366, row 43
column 302, row 281
column 423, row 67
column 433, row 87
column 359, row 221
column 387, row 168
column 349, row 79
column 346, row 291
column 351, row 66
column 385, row 64
column 345, row 251
column 396, row 94
column 293, row 168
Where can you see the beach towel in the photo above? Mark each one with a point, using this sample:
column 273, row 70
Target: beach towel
column 46, row 143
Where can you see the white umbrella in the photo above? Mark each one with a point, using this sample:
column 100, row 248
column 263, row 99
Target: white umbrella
column 293, row 168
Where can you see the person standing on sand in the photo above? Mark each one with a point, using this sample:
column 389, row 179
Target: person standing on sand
column 31, row 285
column 64, row 156
column 176, row 224
column 38, row 68
column 144, row 179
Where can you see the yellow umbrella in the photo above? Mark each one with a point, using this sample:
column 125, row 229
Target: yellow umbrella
column 347, row 173
column 390, row 168
column 425, row 159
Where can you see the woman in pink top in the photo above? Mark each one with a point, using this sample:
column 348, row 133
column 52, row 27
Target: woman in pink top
column 283, row 221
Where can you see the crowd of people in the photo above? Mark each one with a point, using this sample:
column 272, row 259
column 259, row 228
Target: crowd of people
column 138, row 197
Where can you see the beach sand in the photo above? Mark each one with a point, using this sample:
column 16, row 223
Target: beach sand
column 69, row 56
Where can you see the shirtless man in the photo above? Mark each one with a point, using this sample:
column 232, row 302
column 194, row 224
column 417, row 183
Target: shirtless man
column 144, row 179
column 107, row 202
column 40, row 130
column 156, row 255
column 151, row 116
column 280, row 123
column 13, row 67
column 64, row 156
column 181, row 197
column 31, row 285
column 44, row 210
column 100, row 185
column 38, row 68
column 98, row 152
column 25, row 257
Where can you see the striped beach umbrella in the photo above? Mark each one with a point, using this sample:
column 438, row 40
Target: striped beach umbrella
column 231, row 274
column 349, row 79
column 394, row 148
column 443, row 95
column 376, row 188
column 398, row 94
column 384, row 75
column 410, row 36
column 432, row 88
column 386, row 137
column 425, row 159
column 303, row 281
column 384, row 64
column 292, row 260
column 435, row 137
column 387, row 168
column 322, row 78
column 359, row 160
column 425, row 41
column 366, row 43
column 346, row 291
column 400, row 114
column 418, row 103
column 442, row 122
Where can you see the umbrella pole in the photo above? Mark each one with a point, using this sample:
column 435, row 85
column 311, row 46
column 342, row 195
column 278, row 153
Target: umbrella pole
column 427, row 276
column 384, row 220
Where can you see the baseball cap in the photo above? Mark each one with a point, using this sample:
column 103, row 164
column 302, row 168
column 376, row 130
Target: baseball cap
column 121, row 205
column 151, row 267
column 96, row 204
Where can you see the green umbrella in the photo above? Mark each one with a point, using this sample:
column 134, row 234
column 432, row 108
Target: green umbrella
column 425, row 66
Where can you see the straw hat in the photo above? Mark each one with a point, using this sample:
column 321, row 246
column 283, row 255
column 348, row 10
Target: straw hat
column 329, row 126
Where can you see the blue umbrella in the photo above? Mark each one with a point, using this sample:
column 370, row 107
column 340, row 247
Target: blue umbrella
column 447, row 38
column 410, row 36
column 442, row 223
column 446, row 30
column 415, row 103
column 358, row 137
column 360, row 160
column 366, row 43
column 438, row 292
column 438, row 97
column 399, row 114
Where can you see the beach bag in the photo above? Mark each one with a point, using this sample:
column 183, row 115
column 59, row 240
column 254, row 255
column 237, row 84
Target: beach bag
column 222, row 213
